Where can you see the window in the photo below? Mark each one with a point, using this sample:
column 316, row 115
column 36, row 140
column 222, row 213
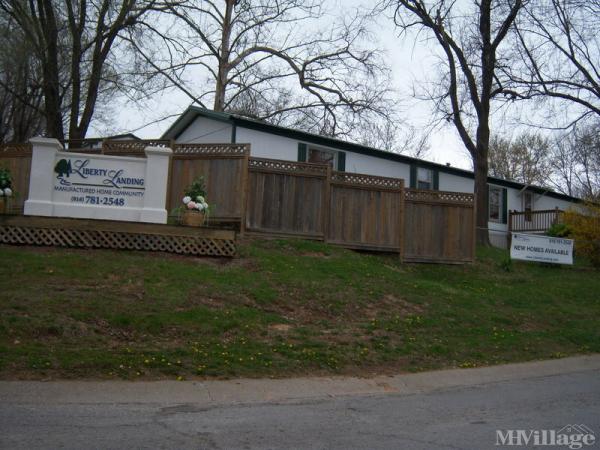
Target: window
column 496, row 203
column 321, row 156
column 336, row 159
column 424, row 178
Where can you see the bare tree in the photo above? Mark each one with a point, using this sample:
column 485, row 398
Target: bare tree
column 558, row 48
column 21, row 99
column 564, row 166
column 469, row 38
column 575, row 161
column 250, row 58
column 74, row 43
column 524, row 159
column 586, row 147
column 396, row 137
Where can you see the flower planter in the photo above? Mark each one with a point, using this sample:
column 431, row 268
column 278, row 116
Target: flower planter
column 192, row 218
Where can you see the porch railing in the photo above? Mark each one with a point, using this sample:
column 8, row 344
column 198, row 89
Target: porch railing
column 534, row 221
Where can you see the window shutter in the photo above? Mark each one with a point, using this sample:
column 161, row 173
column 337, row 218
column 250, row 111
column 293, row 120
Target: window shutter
column 413, row 176
column 436, row 180
column 504, row 205
column 341, row 162
column 302, row 152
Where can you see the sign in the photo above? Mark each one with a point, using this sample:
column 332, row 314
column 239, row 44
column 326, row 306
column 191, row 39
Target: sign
column 533, row 247
column 65, row 184
column 100, row 182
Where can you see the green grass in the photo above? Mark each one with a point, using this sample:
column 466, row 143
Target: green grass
column 283, row 308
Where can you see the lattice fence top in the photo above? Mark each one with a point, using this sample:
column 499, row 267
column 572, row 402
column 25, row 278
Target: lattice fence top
column 15, row 150
column 420, row 195
column 275, row 165
column 116, row 147
column 359, row 179
column 225, row 150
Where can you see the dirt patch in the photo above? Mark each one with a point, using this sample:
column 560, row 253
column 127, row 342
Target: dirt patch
column 316, row 254
column 280, row 327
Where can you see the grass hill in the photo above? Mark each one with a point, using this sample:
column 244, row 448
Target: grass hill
column 284, row 307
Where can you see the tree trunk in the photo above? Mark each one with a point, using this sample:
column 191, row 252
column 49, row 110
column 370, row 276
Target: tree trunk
column 481, row 202
column 54, row 123
column 480, row 163
column 223, row 73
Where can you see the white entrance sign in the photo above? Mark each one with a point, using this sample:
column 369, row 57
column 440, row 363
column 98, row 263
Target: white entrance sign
column 532, row 247
column 65, row 184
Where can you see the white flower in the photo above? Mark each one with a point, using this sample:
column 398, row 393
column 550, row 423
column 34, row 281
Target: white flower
column 200, row 206
column 205, row 205
column 200, row 199
column 1, row 193
column 8, row 192
column 186, row 199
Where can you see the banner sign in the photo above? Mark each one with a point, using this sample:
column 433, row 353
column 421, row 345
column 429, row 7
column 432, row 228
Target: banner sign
column 90, row 186
column 533, row 247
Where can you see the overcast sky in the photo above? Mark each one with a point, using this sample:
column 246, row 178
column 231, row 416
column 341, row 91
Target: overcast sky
column 408, row 60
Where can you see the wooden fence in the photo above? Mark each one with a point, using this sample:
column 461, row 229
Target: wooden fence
column 274, row 197
column 439, row 226
column 312, row 201
column 17, row 159
column 287, row 198
column 224, row 168
column 365, row 211
column 533, row 221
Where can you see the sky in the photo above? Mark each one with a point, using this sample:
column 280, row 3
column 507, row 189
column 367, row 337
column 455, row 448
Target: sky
column 409, row 61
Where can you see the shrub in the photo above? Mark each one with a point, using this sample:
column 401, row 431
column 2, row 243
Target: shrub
column 559, row 230
column 585, row 229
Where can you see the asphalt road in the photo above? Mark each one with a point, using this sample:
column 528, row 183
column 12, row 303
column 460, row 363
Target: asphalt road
column 465, row 417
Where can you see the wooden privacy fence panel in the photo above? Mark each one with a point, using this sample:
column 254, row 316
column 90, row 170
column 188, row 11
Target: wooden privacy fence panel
column 438, row 226
column 17, row 159
column 224, row 168
column 286, row 197
column 365, row 211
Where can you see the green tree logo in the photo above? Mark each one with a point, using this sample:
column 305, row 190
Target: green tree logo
column 62, row 168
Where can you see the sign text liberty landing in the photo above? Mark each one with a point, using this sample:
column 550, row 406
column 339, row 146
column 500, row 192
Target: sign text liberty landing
column 103, row 187
column 93, row 181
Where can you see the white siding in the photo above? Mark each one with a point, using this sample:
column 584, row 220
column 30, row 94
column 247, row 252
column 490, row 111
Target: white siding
column 370, row 165
column 206, row 131
column 455, row 183
column 265, row 145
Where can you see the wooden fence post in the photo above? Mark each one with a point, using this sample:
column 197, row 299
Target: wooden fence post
column 402, row 213
column 510, row 228
column 245, row 181
column 474, row 250
column 327, row 204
